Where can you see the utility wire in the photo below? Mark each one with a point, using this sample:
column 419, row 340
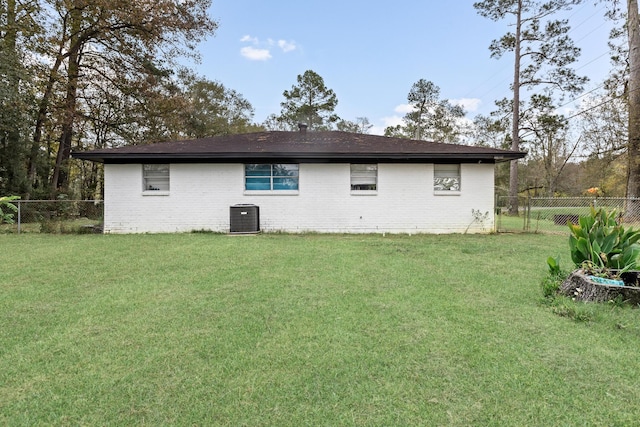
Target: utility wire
column 525, row 63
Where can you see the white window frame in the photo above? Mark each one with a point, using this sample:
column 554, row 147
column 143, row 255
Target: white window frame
column 363, row 175
column 447, row 179
column 156, row 179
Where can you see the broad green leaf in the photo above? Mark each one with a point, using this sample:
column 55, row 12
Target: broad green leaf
column 609, row 242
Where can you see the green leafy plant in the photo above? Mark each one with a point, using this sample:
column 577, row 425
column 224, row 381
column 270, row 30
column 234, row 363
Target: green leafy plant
column 554, row 265
column 551, row 284
column 5, row 207
column 598, row 243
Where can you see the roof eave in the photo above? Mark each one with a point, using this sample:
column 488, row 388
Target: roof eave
column 299, row 157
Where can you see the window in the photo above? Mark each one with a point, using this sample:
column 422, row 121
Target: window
column 364, row 177
column 155, row 177
column 446, row 177
column 267, row 177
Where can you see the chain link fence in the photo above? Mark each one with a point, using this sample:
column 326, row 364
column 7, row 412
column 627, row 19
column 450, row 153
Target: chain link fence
column 535, row 214
column 53, row 216
column 551, row 214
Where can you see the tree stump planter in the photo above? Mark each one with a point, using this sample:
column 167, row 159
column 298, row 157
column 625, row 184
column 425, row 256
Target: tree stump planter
column 581, row 287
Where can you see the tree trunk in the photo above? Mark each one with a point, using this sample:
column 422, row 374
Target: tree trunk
column 581, row 287
column 515, row 123
column 12, row 149
column 633, row 99
column 633, row 177
column 60, row 177
column 41, row 117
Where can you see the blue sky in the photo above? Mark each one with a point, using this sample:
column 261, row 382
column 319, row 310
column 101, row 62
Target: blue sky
column 370, row 53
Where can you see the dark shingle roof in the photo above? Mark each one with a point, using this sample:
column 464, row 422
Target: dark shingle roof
column 278, row 146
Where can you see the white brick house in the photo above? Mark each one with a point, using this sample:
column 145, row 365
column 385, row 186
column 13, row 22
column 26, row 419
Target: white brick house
column 329, row 182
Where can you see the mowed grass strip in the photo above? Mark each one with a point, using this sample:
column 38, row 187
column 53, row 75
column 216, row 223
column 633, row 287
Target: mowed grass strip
column 287, row 330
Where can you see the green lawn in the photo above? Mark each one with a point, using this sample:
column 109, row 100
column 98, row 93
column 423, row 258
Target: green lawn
column 516, row 224
column 284, row 330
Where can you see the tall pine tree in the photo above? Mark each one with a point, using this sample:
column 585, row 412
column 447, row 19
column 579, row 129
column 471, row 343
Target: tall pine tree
column 542, row 57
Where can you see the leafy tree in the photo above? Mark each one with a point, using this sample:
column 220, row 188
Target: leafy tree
column 603, row 125
column 605, row 121
column 543, row 53
column 116, row 39
column 309, row 102
column 431, row 118
column 274, row 122
column 160, row 106
column 18, row 31
column 215, row 110
column 361, row 125
column 396, row 131
column 491, row 131
column 101, row 73
column 548, row 141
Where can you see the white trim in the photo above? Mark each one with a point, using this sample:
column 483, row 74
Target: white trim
column 155, row 193
column 447, row 193
column 364, row 192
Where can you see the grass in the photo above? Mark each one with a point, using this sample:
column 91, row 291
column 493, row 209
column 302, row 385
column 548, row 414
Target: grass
column 516, row 224
column 205, row 329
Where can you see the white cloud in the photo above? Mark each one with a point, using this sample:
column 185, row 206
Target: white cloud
column 404, row 108
column 261, row 50
column 248, row 38
column 392, row 121
column 255, row 54
column 287, row 46
column 378, row 129
column 470, row 105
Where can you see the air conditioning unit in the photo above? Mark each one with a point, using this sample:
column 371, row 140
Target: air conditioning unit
column 244, row 219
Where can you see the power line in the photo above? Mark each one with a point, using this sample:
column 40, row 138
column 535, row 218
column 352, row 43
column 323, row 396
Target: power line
column 525, row 63
column 586, row 110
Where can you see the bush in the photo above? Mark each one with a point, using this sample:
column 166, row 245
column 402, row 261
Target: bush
column 5, row 207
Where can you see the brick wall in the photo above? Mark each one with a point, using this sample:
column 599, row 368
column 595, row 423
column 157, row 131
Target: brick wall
column 200, row 196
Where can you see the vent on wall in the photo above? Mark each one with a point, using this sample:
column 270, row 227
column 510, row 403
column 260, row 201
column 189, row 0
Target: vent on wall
column 244, row 219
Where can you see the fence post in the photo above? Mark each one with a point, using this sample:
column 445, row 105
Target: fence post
column 527, row 214
column 497, row 210
column 19, row 215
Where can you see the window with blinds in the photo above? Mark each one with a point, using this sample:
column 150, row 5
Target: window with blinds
column 364, row 177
